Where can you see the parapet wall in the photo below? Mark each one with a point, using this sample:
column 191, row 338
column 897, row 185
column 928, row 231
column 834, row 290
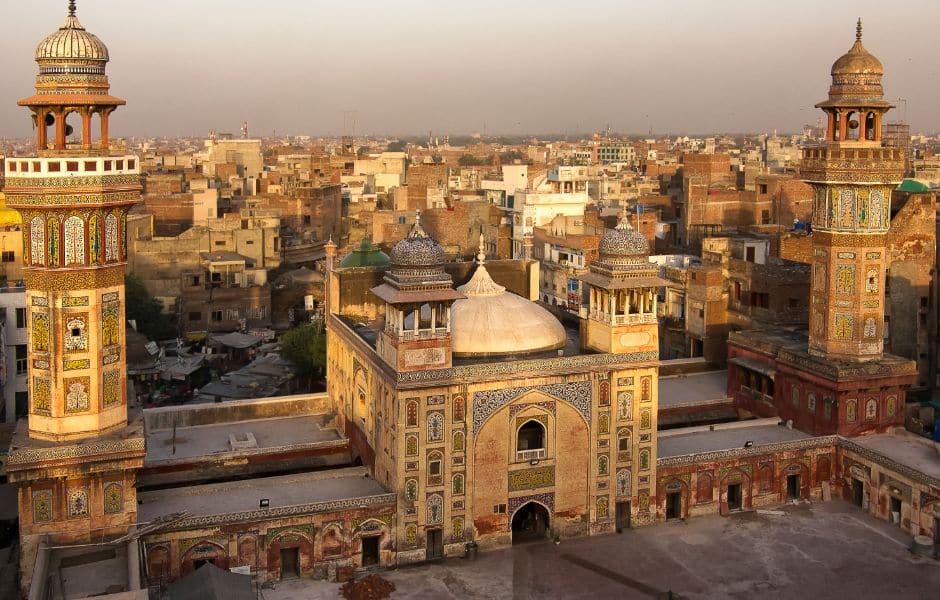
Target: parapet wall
column 191, row 415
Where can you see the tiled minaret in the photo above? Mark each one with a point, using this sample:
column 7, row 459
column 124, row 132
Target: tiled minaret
column 74, row 459
column 852, row 175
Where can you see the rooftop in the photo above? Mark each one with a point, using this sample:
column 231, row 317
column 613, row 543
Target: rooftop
column 244, row 496
column 914, row 451
column 697, row 440
column 690, row 390
column 202, row 440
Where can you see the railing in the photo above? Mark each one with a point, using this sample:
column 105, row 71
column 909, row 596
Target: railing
column 526, row 455
column 630, row 319
column 422, row 334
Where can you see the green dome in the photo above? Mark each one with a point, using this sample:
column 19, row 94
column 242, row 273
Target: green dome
column 366, row 255
column 913, row 185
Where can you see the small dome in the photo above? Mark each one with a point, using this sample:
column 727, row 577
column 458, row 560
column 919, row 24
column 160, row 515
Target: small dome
column 858, row 60
column 623, row 242
column 366, row 255
column 71, row 41
column 493, row 322
column 418, row 249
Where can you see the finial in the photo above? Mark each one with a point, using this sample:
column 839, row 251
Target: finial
column 417, row 231
column 858, row 30
column 623, row 222
column 71, row 8
column 481, row 256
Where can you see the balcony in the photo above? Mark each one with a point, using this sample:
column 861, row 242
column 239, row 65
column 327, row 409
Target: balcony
column 422, row 334
column 527, row 455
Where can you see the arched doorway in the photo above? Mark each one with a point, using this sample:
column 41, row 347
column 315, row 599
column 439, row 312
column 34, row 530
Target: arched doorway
column 530, row 523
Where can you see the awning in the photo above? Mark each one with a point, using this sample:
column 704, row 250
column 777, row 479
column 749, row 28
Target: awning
column 753, row 365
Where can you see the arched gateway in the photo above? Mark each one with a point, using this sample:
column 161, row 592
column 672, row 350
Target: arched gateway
column 530, row 523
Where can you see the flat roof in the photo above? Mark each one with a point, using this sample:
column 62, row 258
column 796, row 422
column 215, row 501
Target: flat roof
column 680, row 442
column 697, row 388
column 201, row 440
column 244, row 495
column 906, row 448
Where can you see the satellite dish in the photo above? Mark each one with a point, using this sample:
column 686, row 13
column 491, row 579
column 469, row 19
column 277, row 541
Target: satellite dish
column 49, row 119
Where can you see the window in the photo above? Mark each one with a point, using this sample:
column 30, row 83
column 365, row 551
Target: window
column 217, row 315
column 623, row 441
column 21, row 359
column 220, row 242
column 195, row 280
column 195, row 316
column 531, row 436
column 21, row 318
column 8, row 256
column 435, row 468
column 499, row 509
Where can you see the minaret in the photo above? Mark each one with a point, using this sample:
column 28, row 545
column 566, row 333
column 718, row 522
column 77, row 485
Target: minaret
column 74, row 460
column 852, row 175
column 622, row 285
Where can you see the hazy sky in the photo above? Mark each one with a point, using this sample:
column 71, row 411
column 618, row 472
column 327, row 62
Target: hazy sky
column 513, row 66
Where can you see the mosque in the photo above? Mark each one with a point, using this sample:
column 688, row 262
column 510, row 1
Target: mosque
column 477, row 418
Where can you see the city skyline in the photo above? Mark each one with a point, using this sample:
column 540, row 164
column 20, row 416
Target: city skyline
column 306, row 68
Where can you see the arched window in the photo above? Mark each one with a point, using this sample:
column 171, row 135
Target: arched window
column 435, row 509
column 623, row 440
column 411, row 489
column 851, row 410
column 531, row 436
column 457, row 484
column 435, row 468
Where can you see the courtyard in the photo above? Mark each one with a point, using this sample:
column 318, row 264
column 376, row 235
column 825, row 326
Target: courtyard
column 811, row 551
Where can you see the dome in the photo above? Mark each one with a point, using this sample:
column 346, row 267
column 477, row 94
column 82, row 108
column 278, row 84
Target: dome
column 493, row 322
column 858, row 60
column 417, row 250
column 366, row 255
column 71, row 42
column 623, row 242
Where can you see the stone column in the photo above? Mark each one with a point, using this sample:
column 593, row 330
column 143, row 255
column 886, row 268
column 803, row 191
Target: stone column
column 60, row 130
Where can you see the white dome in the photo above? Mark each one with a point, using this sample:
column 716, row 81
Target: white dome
column 493, row 322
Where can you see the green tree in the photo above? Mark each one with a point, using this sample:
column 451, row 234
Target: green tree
column 146, row 311
column 305, row 346
column 397, row 146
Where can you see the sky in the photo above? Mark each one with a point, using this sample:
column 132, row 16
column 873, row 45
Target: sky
column 397, row 67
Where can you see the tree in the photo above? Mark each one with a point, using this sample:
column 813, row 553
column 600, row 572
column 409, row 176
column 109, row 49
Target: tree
column 397, row 146
column 305, row 346
column 146, row 311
